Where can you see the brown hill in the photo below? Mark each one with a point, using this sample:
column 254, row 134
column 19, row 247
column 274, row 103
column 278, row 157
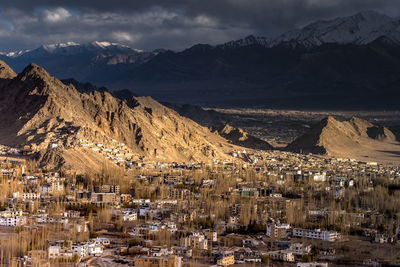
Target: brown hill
column 5, row 71
column 238, row 136
column 353, row 138
column 67, row 126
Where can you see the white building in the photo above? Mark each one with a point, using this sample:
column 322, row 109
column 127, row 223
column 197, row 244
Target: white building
column 80, row 249
column 129, row 215
column 54, row 252
column 101, row 241
column 316, row 234
column 281, row 255
column 320, row 177
column 30, row 196
column 13, row 221
column 311, row 264
column 95, row 250
column 196, row 240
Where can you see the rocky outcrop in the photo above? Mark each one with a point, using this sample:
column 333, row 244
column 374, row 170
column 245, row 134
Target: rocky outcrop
column 240, row 137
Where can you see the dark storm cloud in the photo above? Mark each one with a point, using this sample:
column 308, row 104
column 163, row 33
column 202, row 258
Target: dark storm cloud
column 171, row 24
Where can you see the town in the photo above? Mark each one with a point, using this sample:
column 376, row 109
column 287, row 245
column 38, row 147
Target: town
column 267, row 208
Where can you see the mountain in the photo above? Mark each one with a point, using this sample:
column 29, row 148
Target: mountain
column 360, row 29
column 6, row 72
column 240, row 137
column 218, row 122
column 85, row 62
column 248, row 41
column 328, row 76
column 346, row 63
column 123, row 94
column 68, row 127
column 352, row 138
column 83, row 87
column 200, row 115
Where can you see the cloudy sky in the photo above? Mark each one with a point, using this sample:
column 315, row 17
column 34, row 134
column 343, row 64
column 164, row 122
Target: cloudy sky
column 172, row 24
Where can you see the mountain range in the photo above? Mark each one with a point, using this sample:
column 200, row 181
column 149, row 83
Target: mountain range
column 347, row 62
column 67, row 128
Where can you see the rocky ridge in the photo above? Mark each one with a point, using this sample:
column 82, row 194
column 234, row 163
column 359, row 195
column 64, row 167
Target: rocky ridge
column 61, row 122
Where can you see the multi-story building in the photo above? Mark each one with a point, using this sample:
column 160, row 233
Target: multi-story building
column 80, row 249
column 211, row 235
column 226, row 258
column 316, row 234
column 281, row 255
column 95, row 249
column 13, row 221
column 277, row 231
column 196, row 240
column 163, row 261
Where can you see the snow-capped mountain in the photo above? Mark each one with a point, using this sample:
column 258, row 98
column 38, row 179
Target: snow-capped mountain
column 360, row 29
column 361, row 62
column 14, row 53
column 80, row 61
column 72, row 48
column 249, row 40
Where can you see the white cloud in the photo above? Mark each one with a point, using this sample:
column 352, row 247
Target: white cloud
column 56, row 15
column 125, row 36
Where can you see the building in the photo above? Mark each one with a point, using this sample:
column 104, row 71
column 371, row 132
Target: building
column 281, row 255
column 164, row 261
column 30, row 196
column 80, row 249
column 196, row 240
column 311, row 264
column 95, row 249
column 226, row 258
column 249, row 192
column 13, row 221
column 56, row 251
column 211, row 235
column 101, row 241
column 129, row 215
column 277, row 231
column 330, row 236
